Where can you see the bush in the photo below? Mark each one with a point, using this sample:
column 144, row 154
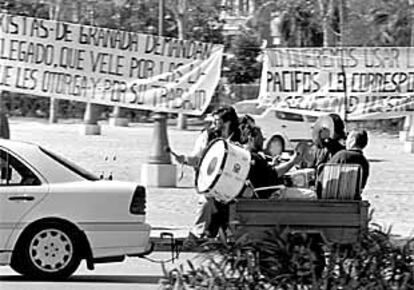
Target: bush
column 291, row 261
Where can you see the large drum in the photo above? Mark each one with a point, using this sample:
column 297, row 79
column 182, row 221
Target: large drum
column 223, row 170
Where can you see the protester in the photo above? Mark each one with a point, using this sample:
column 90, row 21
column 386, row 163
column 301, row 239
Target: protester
column 246, row 122
column 262, row 173
column 274, row 147
column 356, row 141
column 211, row 215
column 225, row 125
column 325, row 146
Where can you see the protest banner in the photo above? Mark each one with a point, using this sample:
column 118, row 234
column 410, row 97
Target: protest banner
column 369, row 82
column 104, row 66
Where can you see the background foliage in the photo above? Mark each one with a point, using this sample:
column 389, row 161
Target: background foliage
column 286, row 261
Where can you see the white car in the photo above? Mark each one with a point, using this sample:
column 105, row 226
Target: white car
column 294, row 124
column 53, row 214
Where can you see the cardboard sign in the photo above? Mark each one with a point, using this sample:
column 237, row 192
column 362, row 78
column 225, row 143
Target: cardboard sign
column 369, row 82
column 105, row 66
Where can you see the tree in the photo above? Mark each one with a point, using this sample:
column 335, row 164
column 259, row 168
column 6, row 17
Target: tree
column 391, row 23
column 326, row 11
column 197, row 20
column 300, row 25
column 244, row 66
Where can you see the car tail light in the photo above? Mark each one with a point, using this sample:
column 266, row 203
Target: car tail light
column 137, row 205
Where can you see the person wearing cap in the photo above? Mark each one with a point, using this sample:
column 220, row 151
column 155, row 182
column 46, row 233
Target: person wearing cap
column 326, row 146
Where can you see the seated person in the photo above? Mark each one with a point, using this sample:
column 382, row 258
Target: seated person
column 246, row 122
column 274, row 147
column 263, row 174
column 356, row 141
column 325, row 146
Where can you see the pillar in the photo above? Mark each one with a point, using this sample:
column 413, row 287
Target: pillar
column 118, row 118
column 182, row 121
column 409, row 142
column 406, row 128
column 4, row 120
column 158, row 171
column 90, row 124
column 53, row 110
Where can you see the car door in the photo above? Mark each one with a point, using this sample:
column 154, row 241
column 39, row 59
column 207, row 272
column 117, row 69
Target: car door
column 21, row 188
column 292, row 124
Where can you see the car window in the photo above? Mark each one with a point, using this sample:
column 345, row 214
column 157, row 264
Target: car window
column 13, row 172
column 289, row 116
column 70, row 165
column 249, row 108
column 311, row 119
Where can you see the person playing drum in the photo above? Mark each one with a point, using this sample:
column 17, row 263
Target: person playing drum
column 225, row 125
column 211, row 214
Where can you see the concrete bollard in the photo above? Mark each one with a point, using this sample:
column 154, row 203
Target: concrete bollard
column 53, row 110
column 409, row 142
column 4, row 126
column 158, row 171
column 404, row 132
column 182, row 121
column 4, row 120
column 90, row 124
column 118, row 118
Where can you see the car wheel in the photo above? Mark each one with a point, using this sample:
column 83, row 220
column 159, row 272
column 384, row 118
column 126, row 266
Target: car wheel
column 48, row 251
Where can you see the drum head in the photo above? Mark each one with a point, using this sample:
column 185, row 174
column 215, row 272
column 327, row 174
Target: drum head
column 211, row 165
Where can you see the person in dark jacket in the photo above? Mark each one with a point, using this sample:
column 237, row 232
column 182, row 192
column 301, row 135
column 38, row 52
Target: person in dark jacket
column 356, row 141
column 262, row 173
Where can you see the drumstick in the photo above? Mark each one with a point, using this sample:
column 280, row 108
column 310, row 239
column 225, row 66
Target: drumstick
column 168, row 150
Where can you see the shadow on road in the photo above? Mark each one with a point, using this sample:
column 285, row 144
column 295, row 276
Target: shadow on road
column 139, row 279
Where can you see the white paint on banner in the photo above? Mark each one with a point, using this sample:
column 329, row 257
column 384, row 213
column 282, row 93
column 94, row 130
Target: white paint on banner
column 378, row 82
column 105, row 66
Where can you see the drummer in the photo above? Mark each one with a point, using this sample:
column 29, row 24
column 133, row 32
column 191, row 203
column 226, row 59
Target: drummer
column 211, row 214
column 225, row 125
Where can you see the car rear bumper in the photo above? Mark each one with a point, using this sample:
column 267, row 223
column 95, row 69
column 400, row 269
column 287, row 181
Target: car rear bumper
column 118, row 239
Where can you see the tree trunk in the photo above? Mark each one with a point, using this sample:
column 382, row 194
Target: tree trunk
column 342, row 17
column 326, row 10
column 54, row 14
column 180, row 25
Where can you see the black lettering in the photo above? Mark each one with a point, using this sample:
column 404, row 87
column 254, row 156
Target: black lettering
column 63, row 32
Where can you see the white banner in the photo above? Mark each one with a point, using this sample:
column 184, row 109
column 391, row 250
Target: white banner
column 371, row 82
column 105, row 66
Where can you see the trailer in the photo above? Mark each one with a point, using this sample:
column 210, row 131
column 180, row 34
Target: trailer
column 325, row 221
column 334, row 221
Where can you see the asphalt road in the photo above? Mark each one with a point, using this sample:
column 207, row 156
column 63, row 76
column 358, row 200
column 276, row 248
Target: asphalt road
column 133, row 273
